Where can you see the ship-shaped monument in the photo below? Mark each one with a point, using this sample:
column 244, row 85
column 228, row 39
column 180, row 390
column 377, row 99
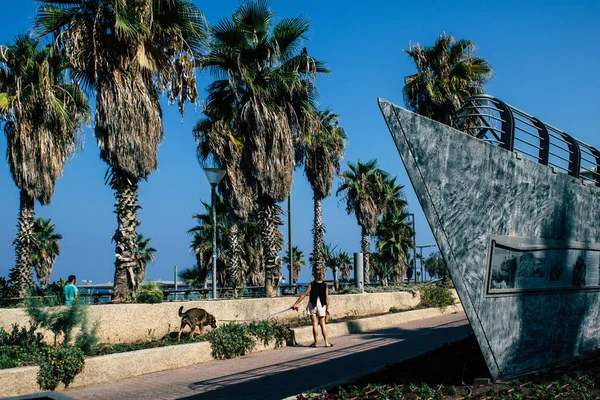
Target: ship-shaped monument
column 514, row 205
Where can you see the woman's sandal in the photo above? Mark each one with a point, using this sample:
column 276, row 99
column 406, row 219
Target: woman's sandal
column 313, row 345
column 330, row 345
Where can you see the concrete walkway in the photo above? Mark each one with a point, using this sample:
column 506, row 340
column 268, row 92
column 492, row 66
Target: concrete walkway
column 276, row 374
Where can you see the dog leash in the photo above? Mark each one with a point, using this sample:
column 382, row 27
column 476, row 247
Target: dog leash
column 257, row 318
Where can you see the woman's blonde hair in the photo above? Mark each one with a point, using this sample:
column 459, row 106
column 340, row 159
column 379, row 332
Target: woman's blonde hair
column 318, row 274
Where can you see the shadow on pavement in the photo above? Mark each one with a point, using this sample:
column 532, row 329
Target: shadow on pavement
column 326, row 366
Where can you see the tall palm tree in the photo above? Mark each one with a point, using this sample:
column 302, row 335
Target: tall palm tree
column 447, row 74
column 128, row 52
column 363, row 187
column 261, row 81
column 394, row 240
column 47, row 247
column 218, row 143
column 43, row 115
column 299, row 262
column 320, row 150
column 143, row 255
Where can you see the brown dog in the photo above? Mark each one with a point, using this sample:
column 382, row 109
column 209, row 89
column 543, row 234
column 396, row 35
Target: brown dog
column 195, row 317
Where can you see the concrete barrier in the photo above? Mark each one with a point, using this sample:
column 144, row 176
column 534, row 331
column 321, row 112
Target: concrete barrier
column 126, row 323
column 113, row 367
column 303, row 335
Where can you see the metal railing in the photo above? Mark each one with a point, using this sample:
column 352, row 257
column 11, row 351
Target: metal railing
column 501, row 124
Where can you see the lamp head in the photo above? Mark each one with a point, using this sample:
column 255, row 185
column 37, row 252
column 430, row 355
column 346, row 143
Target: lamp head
column 214, row 175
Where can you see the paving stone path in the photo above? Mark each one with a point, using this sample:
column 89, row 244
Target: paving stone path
column 276, row 374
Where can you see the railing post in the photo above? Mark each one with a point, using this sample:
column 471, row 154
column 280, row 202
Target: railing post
column 544, row 153
column 575, row 156
column 508, row 126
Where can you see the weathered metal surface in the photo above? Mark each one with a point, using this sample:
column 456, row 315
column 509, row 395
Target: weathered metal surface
column 472, row 192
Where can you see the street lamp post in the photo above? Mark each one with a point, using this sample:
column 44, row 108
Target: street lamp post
column 421, row 260
column 214, row 176
column 412, row 217
column 290, row 243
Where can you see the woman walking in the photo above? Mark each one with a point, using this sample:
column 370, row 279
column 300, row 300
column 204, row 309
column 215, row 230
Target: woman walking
column 318, row 303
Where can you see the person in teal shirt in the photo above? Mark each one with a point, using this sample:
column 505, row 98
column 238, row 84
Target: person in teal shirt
column 70, row 290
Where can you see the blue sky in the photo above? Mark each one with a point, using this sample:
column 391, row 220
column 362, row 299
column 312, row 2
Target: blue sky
column 545, row 54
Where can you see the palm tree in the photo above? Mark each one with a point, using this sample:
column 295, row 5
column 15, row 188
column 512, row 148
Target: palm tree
column 382, row 267
column 337, row 261
column 345, row 262
column 364, row 190
column 194, row 277
column 299, row 262
column 143, row 255
column 43, row 115
column 47, row 247
column 394, row 240
column 321, row 151
column 447, row 74
column 202, row 233
column 217, row 144
column 436, row 266
column 128, row 52
column 261, row 83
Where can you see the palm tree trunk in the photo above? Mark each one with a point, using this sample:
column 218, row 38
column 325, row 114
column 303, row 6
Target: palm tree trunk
column 336, row 280
column 44, row 270
column 318, row 232
column 21, row 276
column 140, row 273
column 269, row 235
column 126, row 207
column 365, row 250
column 234, row 256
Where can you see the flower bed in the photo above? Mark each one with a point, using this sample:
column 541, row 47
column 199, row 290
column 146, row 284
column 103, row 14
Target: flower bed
column 453, row 372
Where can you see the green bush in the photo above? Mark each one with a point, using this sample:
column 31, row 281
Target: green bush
column 55, row 294
column 394, row 309
column 88, row 339
column 267, row 332
column 60, row 364
column 149, row 293
column 235, row 340
column 20, row 347
column 230, row 341
column 59, row 321
column 347, row 290
column 436, row 295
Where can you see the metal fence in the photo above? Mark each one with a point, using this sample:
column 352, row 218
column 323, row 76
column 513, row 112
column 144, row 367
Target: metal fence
column 503, row 125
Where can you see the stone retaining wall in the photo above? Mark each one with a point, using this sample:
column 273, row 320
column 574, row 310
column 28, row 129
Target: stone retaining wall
column 124, row 323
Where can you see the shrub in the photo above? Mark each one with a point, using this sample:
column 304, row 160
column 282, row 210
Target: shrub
column 235, row 340
column 87, row 340
column 21, row 346
column 60, row 364
column 436, row 295
column 267, row 332
column 149, row 293
column 394, row 309
column 61, row 321
column 230, row 341
column 348, row 290
column 54, row 293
